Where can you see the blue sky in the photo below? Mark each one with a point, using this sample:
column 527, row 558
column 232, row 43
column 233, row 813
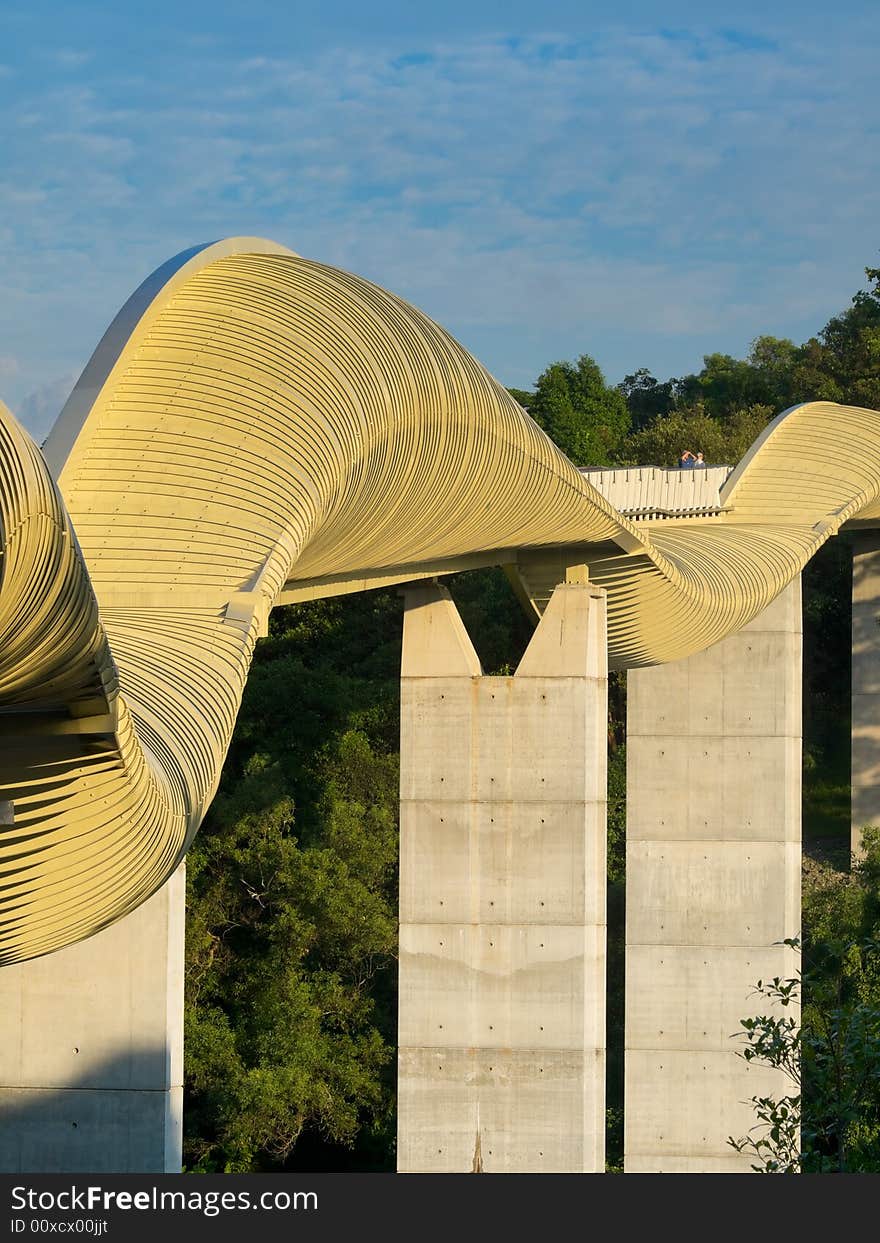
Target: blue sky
column 643, row 182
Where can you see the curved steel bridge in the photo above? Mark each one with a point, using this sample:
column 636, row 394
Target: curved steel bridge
column 256, row 428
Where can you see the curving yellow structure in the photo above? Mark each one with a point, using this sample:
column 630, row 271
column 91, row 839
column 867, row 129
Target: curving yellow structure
column 256, row 427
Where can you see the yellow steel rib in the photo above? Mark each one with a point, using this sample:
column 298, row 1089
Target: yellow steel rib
column 252, row 421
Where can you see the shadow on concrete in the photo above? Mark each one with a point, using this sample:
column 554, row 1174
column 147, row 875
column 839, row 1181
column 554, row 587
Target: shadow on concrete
column 95, row 1124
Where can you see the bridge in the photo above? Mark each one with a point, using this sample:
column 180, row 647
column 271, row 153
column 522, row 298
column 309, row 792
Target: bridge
column 256, row 428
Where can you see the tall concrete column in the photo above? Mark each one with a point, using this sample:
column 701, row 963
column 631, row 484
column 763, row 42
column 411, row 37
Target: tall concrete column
column 502, row 894
column 865, row 685
column 91, row 1049
column 713, row 884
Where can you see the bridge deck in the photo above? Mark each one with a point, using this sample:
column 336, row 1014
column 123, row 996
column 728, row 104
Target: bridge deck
column 643, row 492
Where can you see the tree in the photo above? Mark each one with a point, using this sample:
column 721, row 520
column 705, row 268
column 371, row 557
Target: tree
column 493, row 617
column 832, row 1058
column 292, row 901
column 773, row 361
column 646, row 398
column 842, row 1006
column 774, row 1039
column 661, row 442
column 725, row 384
column 847, row 359
column 522, row 397
column 575, row 407
column 284, row 945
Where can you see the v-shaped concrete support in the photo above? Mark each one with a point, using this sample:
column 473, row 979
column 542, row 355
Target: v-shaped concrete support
column 502, row 901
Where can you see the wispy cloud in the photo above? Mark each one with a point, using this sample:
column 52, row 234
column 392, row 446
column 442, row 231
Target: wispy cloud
column 645, row 195
column 39, row 409
column 68, row 57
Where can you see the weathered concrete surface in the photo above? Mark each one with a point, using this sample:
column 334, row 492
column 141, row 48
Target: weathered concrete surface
column 91, row 1049
column 713, row 882
column 502, row 894
column 865, row 685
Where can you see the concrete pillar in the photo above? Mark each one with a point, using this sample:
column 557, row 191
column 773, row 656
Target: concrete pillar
column 91, row 1049
column 865, row 685
column 502, row 894
column 713, row 884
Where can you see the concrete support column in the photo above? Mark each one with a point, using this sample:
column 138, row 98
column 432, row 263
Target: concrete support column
column 502, row 894
column 713, row 884
column 91, row 1049
column 865, row 685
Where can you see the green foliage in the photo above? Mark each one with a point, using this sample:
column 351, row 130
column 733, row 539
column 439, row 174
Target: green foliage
column 841, row 364
column 523, row 398
column 719, row 409
column 841, row 1065
column 614, row 1140
column 773, row 361
column 831, row 1122
column 292, row 900
column 826, row 803
column 283, row 947
column 827, row 616
column 575, row 407
column 661, row 442
column 774, row 1039
column 726, row 385
column 845, row 362
column 646, row 398
column 493, row 617
column 617, row 815
column 842, row 909
column 614, row 1015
